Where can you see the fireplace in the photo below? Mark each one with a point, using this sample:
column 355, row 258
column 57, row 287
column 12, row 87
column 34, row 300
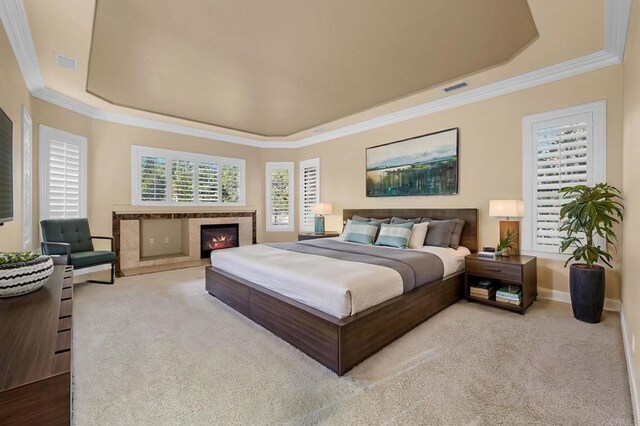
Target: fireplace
column 217, row 237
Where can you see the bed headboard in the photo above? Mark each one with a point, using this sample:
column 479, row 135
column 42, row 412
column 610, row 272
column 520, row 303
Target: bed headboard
column 469, row 237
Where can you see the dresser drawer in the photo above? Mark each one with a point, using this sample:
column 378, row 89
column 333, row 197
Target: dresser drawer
column 495, row 270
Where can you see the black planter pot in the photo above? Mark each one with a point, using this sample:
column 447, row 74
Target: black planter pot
column 587, row 292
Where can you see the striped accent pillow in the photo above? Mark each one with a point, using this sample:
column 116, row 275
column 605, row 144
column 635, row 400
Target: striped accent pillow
column 361, row 232
column 395, row 235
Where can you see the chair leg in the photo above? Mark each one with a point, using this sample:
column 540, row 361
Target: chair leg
column 113, row 277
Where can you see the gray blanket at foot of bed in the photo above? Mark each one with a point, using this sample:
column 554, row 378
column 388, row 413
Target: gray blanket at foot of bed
column 416, row 268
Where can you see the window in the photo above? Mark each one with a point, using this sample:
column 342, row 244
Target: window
column 560, row 148
column 280, row 197
column 163, row 177
column 309, row 192
column 63, row 174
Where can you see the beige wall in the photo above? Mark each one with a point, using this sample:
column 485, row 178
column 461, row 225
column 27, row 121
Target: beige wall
column 490, row 156
column 109, row 161
column 631, row 178
column 13, row 95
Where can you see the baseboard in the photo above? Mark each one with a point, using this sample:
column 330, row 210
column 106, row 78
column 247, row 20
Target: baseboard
column 630, row 368
column 612, row 305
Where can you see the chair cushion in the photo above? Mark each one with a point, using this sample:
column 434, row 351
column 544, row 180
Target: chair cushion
column 73, row 231
column 84, row 259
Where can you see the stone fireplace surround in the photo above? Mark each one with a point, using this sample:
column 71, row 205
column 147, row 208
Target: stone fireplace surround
column 126, row 235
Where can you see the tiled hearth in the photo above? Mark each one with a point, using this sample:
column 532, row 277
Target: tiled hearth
column 126, row 235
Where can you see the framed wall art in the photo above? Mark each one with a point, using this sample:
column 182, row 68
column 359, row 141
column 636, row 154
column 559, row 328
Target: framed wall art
column 422, row 165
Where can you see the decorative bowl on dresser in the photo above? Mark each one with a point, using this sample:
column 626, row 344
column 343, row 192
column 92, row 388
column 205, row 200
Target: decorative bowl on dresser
column 35, row 354
column 24, row 277
column 518, row 272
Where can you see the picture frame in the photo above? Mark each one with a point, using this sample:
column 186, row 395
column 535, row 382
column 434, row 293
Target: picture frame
column 422, row 165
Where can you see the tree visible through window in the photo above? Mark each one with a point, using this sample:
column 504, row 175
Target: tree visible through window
column 163, row 177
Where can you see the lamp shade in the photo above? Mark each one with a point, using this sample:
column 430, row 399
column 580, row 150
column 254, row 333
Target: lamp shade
column 322, row 208
column 506, row 208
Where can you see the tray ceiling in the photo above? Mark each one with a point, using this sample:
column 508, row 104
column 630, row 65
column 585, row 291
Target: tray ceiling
column 277, row 68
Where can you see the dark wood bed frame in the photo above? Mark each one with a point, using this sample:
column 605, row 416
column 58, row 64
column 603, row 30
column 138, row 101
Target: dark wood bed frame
column 341, row 344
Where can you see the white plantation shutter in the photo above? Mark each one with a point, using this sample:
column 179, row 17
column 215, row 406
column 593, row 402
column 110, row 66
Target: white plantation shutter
column 280, row 197
column 208, row 188
column 563, row 148
column 63, row 180
column 163, row 177
column 182, row 185
column 309, row 192
column 153, row 179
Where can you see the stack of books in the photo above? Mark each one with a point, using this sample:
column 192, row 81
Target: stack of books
column 511, row 294
column 484, row 289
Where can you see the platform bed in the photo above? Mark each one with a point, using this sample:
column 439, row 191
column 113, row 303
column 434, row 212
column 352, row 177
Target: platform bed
column 341, row 344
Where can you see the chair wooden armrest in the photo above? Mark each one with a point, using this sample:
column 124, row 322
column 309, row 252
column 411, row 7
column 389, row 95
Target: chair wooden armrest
column 103, row 238
column 44, row 246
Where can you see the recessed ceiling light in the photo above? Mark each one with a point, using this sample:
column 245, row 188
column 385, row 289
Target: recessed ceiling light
column 455, row 87
column 318, row 130
column 65, row 61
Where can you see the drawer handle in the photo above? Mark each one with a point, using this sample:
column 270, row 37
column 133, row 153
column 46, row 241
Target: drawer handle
column 486, row 268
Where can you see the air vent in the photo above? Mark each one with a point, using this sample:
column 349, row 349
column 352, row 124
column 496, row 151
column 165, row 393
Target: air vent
column 455, row 87
column 66, row 61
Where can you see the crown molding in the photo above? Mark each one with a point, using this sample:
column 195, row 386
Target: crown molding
column 616, row 24
column 617, row 12
column 14, row 19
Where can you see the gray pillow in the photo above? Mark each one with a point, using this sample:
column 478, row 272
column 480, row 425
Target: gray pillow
column 396, row 220
column 439, row 232
column 367, row 219
column 457, row 233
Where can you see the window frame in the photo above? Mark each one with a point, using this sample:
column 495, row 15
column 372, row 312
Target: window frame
column 303, row 164
column 138, row 151
column 46, row 134
column 269, row 168
column 596, row 157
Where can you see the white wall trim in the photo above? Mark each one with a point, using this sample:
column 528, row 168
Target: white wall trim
column 616, row 24
column 631, row 371
column 14, row 19
column 612, row 305
column 27, row 180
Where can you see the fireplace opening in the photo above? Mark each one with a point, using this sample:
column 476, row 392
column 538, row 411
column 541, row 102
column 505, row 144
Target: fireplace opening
column 217, row 237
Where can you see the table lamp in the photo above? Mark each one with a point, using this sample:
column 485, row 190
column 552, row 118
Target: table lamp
column 320, row 210
column 508, row 209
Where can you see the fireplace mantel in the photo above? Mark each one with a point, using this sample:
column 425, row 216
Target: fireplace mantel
column 126, row 234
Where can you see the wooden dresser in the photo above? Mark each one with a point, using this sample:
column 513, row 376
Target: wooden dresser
column 35, row 354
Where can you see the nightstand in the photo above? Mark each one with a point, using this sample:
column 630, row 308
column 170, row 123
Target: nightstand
column 312, row 235
column 503, row 271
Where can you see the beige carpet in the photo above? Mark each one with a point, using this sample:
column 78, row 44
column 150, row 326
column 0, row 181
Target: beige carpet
column 157, row 349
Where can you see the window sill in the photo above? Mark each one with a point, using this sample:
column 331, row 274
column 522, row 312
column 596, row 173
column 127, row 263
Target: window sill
column 546, row 255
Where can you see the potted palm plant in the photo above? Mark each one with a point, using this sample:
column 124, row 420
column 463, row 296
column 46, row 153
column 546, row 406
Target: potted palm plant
column 591, row 212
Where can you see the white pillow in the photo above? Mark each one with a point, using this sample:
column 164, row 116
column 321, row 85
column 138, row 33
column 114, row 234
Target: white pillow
column 418, row 235
column 345, row 230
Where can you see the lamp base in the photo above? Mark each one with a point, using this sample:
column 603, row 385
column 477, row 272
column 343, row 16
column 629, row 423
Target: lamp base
column 319, row 225
column 511, row 225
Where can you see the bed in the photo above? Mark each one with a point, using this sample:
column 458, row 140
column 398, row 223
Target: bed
column 293, row 290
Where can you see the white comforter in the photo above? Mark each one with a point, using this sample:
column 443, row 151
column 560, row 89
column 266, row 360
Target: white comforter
column 337, row 287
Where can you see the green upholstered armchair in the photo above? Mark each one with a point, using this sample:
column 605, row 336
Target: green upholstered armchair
column 72, row 238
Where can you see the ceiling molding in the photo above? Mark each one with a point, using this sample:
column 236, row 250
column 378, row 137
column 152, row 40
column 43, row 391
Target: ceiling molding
column 616, row 24
column 14, row 19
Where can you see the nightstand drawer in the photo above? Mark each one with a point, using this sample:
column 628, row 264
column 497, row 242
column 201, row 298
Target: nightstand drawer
column 495, row 270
